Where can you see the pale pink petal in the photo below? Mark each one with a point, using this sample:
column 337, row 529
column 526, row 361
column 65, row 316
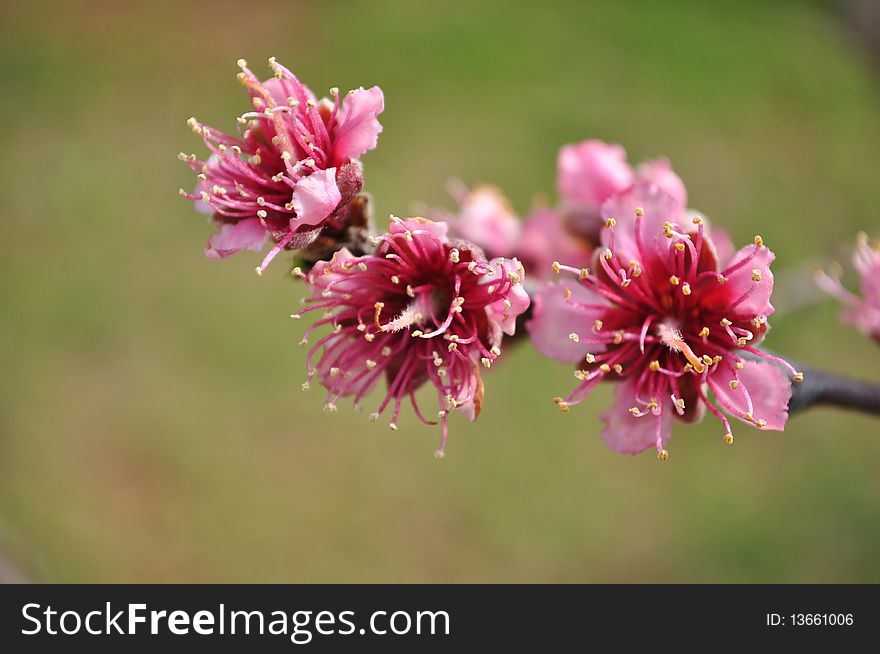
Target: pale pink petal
column 248, row 234
column 324, row 273
column 518, row 300
column 590, row 172
column 487, row 220
column 545, row 240
column 315, row 197
column 437, row 229
column 628, row 434
column 555, row 318
column 765, row 384
column 659, row 171
column 357, row 128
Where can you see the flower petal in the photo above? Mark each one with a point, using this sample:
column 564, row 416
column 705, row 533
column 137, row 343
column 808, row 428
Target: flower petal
column 746, row 293
column 768, row 387
column 628, row 434
column 556, row 317
column 658, row 206
column 545, row 240
column 315, row 197
column 487, row 220
column 518, row 299
column 590, row 172
column 659, row 171
column 357, row 128
column 245, row 234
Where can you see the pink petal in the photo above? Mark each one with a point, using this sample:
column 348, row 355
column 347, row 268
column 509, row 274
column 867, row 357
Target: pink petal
column 487, row 220
column 315, row 197
column 519, row 300
column 590, row 172
column 555, row 318
column 768, row 387
column 319, row 277
column 659, row 171
column 721, row 243
column 746, row 293
column 357, row 128
column 658, row 207
column 545, row 240
column 246, row 234
column 628, row 434
column 438, row 229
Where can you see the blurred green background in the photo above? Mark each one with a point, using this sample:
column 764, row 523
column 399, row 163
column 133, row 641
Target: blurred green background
column 152, row 426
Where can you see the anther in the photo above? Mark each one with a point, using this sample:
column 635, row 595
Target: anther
column 728, row 439
column 662, row 455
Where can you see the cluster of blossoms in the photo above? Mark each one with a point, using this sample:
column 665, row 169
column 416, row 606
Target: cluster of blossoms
column 862, row 312
column 656, row 300
column 647, row 294
column 412, row 306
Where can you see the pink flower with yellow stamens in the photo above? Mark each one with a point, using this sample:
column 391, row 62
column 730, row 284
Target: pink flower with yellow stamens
column 861, row 312
column 422, row 309
column 663, row 315
column 292, row 169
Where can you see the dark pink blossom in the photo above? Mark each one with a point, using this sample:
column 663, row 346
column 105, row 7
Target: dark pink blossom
column 290, row 171
column 422, row 309
column 861, row 312
column 665, row 317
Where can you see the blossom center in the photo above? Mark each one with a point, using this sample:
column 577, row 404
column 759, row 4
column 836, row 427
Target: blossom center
column 671, row 336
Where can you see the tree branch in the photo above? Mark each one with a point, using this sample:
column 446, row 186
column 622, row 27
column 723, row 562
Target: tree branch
column 825, row 388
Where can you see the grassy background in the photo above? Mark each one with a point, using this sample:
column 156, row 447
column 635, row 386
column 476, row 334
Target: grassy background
column 151, row 422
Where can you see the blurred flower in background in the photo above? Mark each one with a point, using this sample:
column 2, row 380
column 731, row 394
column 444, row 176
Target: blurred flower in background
column 861, row 312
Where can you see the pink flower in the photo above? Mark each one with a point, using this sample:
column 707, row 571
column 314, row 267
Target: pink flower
column 861, row 312
column 292, row 169
column 419, row 310
column 487, row 220
column 661, row 314
column 591, row 172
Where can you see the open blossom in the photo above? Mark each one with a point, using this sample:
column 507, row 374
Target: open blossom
column 665, row 317
column 591, row 172
column 862, row 312
column 291, row 170
column 423, row 308
column 486, row 219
